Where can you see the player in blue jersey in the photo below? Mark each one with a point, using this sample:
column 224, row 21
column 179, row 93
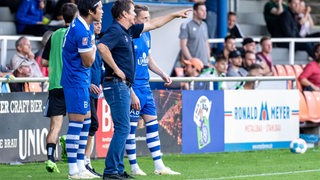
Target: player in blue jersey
column 116, row 49
column 142, row 99
column 78, row 54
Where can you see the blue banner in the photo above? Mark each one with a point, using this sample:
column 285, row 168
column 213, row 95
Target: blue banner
column 203, row 121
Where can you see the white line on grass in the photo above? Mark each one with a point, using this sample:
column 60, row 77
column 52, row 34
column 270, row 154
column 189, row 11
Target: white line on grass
column 263, row 174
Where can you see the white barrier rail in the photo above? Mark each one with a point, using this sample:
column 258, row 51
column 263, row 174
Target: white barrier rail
column 178, row 79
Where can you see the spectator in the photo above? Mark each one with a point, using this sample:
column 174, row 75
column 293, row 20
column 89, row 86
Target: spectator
column 310, row 76
column 229, row 45
column 221, row 67
column 248, row 44
column 194, row 36
column 23, row 47
column 233, row 27
column 248, row 60
column 235, row 69
column 306, row 21
column 290, row 26
column 255, row 70
column 30, row 19
column 272, row 11
column 193, row 68
column 21, row 68
column 264, row 57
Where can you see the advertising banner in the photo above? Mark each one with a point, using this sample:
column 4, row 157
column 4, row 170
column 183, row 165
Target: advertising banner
column 23, row 128
column 105, row 130
column 169, row 105
column 262, row 119
column 203, row 121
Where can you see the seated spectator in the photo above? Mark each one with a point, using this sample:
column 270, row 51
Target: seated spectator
column 306, row 21
column 21, row 68
column 255, row 70
column 264, row 57
column 24, row 52
column 310, row 76
column 193, row 68
column 272, row 11
column 235, row 69
column 233, row 27
column 228, row 46
column 248, row 44
column 219, row 69
column 30, row 19
column 248, row 60
column 290, row 26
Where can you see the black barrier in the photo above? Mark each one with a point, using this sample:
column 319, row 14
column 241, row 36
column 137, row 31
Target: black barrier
column 23, row 129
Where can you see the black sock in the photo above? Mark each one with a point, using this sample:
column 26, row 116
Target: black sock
column 51, row 147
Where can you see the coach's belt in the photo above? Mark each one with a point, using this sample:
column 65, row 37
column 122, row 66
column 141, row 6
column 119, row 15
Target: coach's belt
column 116, row 79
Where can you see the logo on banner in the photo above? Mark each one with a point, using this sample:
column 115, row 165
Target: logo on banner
column 201, row 119
column 264, row 115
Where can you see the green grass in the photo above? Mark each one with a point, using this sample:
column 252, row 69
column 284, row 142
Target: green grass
column 268, row 164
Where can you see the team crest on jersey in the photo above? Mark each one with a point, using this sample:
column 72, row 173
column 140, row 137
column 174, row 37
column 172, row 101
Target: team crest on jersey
column 85, row 41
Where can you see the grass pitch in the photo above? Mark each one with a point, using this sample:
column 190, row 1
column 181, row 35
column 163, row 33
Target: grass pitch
column 267, row 164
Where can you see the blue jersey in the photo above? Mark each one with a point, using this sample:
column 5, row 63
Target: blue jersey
column 141, row 48
column 119, row 41
column 96, row 72
column 78, row 39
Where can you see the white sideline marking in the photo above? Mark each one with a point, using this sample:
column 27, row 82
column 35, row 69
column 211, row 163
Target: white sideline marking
column 263, row 174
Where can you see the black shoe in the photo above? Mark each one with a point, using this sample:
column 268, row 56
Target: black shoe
column 112, row 176
column 126, row 175
column 92, row 170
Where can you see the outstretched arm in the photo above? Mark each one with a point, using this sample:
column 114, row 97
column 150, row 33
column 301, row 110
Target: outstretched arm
column 160, row 21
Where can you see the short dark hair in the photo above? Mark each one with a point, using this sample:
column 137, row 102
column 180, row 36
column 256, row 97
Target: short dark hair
column 119, row 6
column 68, row 11
column 196, row 5
column 139, row 8
column 229, row 37
column 231, row 13
column 264, row 38
column 85, row 5
column 221, row 57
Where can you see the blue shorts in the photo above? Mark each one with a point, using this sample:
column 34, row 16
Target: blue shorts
column 77, row 100
column 147, row 104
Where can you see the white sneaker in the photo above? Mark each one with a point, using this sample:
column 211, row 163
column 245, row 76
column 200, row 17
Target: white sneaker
column 138, row 172
column 166, row 171
column 83, row 175
column 87, row 173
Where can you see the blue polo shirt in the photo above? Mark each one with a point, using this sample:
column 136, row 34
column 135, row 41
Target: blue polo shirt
column 141, row 48
column 119, row 41
column 78, row 39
